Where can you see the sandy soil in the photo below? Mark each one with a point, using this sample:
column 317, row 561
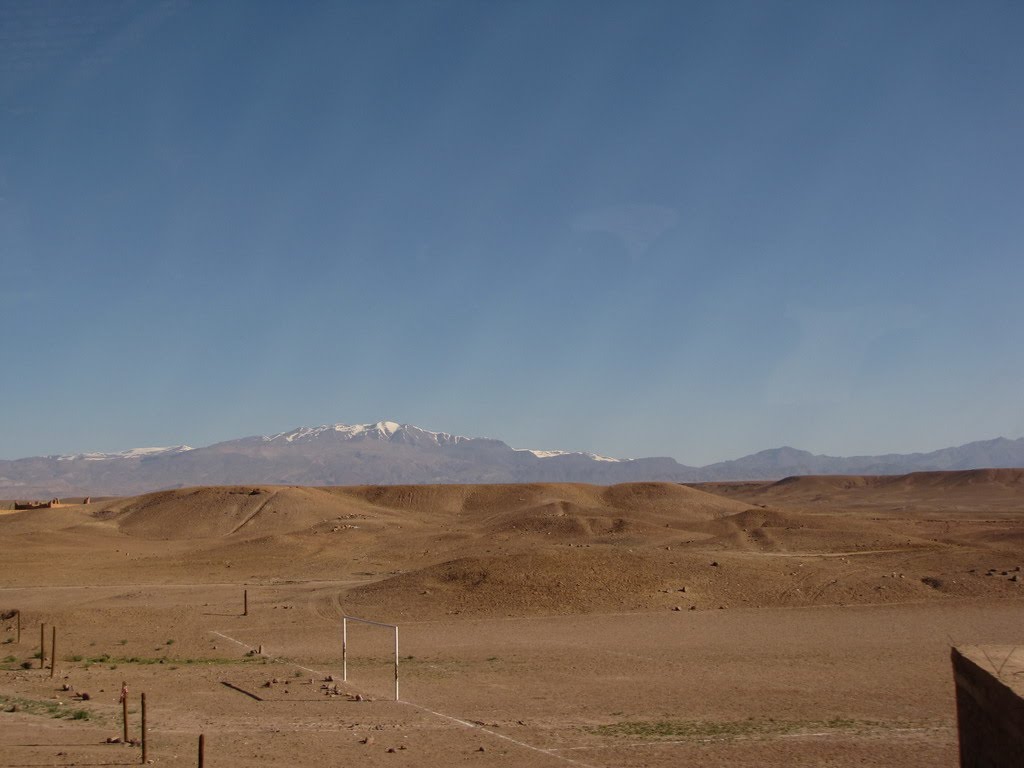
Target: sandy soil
column 801, row 623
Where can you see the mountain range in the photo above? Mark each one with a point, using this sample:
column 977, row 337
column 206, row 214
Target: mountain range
column 389, row 453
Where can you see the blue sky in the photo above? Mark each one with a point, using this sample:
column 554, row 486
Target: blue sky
column 637, row 228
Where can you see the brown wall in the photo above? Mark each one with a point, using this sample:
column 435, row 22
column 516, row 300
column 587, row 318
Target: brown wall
column 990, row 712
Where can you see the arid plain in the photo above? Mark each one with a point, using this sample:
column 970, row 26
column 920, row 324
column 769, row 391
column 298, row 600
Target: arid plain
column 801, row 623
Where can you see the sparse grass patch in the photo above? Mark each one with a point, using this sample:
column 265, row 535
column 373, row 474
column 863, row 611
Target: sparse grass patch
column 106, row 658
column 695, row 730
column 43, row 708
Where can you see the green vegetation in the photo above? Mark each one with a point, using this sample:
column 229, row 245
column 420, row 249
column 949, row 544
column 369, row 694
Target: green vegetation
column 695, row 730
column 43, row 708
column 106, row 658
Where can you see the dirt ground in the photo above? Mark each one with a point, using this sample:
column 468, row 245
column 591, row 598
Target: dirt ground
column 802, row 623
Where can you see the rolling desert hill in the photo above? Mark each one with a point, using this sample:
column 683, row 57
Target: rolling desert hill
column 391, row 453
column 428, row 550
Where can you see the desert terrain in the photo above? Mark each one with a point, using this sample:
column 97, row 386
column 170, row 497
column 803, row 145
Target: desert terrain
column 805, row 622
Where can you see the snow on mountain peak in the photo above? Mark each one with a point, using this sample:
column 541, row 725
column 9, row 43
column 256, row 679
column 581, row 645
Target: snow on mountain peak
column 553, row 454
column 381, row 430
column 131, row 453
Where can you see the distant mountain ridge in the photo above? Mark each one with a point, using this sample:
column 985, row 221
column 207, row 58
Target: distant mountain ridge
column 391, row 453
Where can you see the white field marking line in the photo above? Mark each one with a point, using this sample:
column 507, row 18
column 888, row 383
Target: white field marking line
column 674, row 742
column 282, row 585
column 272, row 658
column 548, row 752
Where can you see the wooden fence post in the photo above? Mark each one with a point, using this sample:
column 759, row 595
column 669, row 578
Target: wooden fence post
column 143, row 728
column 42, row 644
column 53, row 649
column 202, row 745
column 124, row 710
column 245, row 602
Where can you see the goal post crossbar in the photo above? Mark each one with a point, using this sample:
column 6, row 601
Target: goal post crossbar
column 344, row 645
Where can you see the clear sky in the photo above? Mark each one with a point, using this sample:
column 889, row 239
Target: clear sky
column 672, row 228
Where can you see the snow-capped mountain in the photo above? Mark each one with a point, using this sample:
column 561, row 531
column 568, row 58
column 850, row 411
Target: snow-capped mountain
column 383, row 430
column 391, row 453
column 133, row 453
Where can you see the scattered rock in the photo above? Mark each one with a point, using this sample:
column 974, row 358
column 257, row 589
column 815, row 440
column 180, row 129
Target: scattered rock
column 714, row 563
column 391, row 750
column 11, row 708
column 481, row 749
column 366, row 740
column 682, row 589
column 676, row 608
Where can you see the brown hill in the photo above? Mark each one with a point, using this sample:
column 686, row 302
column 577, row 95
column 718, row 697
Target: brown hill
column 245, row 511
column 975, row 489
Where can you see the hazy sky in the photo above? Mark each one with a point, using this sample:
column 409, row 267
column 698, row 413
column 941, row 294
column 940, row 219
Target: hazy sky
column 638, row 228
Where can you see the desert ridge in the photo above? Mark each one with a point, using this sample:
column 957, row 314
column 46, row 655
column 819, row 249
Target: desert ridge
column 518, row 549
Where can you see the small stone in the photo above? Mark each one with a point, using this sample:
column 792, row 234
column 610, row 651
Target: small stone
column 676, row 608
column 682, row 589
column 714, row 563
column 693, row 607
column 481, row 749
column 366, row 740
column 391, row 750
column 1015, row 577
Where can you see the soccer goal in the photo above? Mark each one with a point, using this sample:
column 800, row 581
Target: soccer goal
column 344, row 645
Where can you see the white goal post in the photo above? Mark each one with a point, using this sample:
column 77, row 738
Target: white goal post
column 344, row 645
